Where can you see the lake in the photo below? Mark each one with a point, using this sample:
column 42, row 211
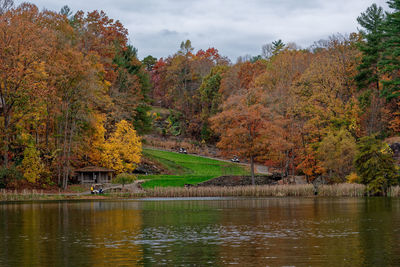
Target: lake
column 205, row 232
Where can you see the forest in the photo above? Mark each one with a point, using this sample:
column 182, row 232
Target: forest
column 74, row 93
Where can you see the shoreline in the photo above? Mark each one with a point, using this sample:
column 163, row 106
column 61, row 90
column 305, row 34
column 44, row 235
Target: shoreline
column 335, row 191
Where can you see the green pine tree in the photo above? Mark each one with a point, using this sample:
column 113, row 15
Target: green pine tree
column 390, row 61
column 371, row 22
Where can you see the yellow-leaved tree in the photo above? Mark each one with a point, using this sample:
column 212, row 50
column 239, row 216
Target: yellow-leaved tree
column 32, row 165
column 122, row 151
column 92, row 150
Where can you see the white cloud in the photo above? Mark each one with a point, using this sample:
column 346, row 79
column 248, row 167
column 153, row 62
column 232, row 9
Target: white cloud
column 234, row 27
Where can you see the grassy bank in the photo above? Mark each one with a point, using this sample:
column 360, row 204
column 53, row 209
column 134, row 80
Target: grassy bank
column 186, row 169
column 339, row 190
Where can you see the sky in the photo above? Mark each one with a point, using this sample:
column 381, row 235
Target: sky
column 234, row 27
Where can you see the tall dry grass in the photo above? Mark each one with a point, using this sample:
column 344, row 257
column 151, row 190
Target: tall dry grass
column 339, row 190
column 394, row 191
column 14, row 195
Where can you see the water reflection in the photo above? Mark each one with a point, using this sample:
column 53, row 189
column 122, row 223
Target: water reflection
column 265, row 232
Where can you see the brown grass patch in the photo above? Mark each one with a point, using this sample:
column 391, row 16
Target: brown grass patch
column 338, row 190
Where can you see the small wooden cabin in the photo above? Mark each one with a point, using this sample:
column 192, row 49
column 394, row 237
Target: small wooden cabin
column 94, row 175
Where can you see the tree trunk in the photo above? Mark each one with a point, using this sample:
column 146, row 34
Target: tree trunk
column 69, row 154
column 253, row 182
column 292, row 163
column 286, row 169
column 65, row 147
column 6, row 147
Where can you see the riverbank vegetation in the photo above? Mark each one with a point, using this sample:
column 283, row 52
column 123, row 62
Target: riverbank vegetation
column 73, row 93
column 337, row 190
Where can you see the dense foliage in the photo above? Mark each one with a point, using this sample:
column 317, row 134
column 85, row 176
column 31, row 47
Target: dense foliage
column 66, row 81
column 375, row 166
column 73, row 92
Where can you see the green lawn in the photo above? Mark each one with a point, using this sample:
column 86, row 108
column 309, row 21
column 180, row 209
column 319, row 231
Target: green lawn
column 187, row 169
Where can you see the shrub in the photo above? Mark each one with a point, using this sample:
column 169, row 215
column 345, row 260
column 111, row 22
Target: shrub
column 124, row 178
column 9, row 175
column 352, row 178
column 375, row 166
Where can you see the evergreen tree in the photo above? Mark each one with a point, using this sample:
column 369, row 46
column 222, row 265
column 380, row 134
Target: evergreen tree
column 375, row 165
column 368, row 76
column 277, row 46
column 371, row 21
column 390, row 61
column 149, row 62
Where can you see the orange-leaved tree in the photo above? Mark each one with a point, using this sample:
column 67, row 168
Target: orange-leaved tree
column 243, row 126
column 23, row 47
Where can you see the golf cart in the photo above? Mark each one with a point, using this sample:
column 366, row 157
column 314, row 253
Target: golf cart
column 96, row 189
column 235, row 159
column 182, row 150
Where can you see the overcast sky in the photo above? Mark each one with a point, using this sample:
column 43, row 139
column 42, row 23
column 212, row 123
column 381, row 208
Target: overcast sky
column 234, row 27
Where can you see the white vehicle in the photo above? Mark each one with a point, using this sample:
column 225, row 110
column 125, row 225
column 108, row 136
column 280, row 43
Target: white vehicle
column 182, row 150
column 235, row 159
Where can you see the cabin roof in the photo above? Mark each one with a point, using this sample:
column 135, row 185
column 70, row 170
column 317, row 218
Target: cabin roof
column 94, row 169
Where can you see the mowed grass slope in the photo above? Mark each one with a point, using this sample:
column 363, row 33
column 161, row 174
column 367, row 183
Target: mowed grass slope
column 187, row 169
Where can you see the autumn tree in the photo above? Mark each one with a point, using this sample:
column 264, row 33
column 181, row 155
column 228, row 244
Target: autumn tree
column 122, row 151
column 92, row 148
column 325, row 95
column 177, row 81
column 32, row 166
column 243, row 126
column 336, row 153
column 281, row 73
column 25, row 44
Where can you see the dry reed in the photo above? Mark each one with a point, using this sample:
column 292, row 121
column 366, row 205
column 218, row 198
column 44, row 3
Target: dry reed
column 14, row 195
column 237, row 191
column 342, row 190
column 337, row 190
column 394, row 191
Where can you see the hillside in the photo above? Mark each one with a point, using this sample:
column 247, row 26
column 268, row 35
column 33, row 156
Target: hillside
column 186, row 169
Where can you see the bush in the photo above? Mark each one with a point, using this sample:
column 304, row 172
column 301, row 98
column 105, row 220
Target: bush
column 375, row 165
column 9, row 175
column 353, row 178
column 124, row 178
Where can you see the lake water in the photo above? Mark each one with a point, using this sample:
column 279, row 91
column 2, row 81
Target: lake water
column 202, row 232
